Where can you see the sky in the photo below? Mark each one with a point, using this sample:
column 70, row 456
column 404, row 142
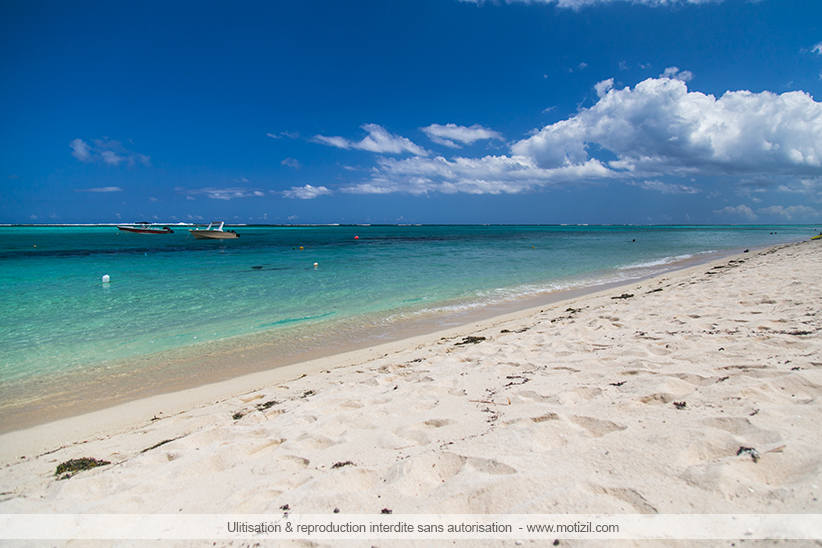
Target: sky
column 411, row 111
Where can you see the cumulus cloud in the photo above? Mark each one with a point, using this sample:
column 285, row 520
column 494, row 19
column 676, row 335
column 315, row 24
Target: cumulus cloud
column 306, row 192
column 676, row 74
column 791, row 213
column 106, row 151
column 449, row 133
column 488, row 175
column 665, row 188
column 222, row 193
column 659, row 127
column 739, row 211
column 378, row 140
column 604, row 87
column 100, row 189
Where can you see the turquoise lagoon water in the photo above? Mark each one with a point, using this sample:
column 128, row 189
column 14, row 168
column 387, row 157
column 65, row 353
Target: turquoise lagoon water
column 171, row 293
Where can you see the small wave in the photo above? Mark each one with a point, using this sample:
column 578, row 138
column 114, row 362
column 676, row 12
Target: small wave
column 664, row 261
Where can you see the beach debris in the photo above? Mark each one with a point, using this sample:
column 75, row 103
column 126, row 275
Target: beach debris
column 341, row 464
column 238, row 415
column 386, row 511
column 655, row 290
column 308, row 393
column 620, row 383
column 514, row 378
column 285, row 508
column 470, row 340
column 624, row 296
column 266, row 405
column 680, row 404
column 749, row 451
column 336, row 510
column 521, row 330
column 156, row 445
column 754, row 412
column 67, row 469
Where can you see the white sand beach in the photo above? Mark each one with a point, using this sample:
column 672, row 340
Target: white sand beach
column 633, row 400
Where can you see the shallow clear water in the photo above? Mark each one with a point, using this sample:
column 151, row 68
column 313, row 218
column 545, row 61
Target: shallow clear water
column 170, row 291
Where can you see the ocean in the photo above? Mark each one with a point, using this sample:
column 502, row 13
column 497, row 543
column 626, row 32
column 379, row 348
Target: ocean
column 180, row 312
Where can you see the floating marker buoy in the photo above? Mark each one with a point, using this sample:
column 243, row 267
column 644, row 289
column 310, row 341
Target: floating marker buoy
column 356, row 237
column 316, row 265
column 106, row 278
column 301, row 247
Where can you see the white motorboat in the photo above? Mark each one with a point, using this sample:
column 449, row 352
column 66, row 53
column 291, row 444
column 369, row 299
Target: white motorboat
column 145, row 228
column 213, row 232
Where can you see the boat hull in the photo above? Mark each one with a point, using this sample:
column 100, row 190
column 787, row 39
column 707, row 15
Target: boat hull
column 213, row 235
column 140, row 230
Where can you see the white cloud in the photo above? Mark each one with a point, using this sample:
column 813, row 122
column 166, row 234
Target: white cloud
column 738, row 211
column 106, row 151
column 665, row 188
column 488, row 175
column 222, row 193
column 306, row 192
column 659, row 127
column 291, row 162
column 817, row 48
column 378, row 140
column 675, row 74
column 449, row 133
column 604, row 87
column 80, row 150
column 100, row 189
column 791, row 212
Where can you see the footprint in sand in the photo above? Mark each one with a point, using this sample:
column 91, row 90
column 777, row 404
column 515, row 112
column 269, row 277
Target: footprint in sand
column 421, row 475
column 597, row 427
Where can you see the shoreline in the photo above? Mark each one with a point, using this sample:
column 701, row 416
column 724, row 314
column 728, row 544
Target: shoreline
column 221, row 361
column 695, row 392
column 96, row 419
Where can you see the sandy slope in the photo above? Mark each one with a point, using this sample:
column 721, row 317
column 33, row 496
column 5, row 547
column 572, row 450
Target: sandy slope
column 634, row 400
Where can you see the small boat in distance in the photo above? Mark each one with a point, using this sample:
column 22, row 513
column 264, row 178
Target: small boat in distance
column 145, row 228
column 213, row 232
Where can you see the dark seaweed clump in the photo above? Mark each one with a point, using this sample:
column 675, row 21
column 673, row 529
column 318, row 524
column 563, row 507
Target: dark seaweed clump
column 471, row 340
column 70, row 467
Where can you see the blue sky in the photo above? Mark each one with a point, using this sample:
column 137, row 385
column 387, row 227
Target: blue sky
column 418, row 111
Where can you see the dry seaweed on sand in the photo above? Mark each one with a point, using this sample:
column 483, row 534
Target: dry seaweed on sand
column 67, row 469
column 749, row 451
column 471, row 340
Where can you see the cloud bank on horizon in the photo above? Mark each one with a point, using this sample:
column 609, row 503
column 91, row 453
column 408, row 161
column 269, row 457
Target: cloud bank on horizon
column 656, row 128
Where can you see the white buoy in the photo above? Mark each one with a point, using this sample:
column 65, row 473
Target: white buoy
column 316, row 265
column 106, row 278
